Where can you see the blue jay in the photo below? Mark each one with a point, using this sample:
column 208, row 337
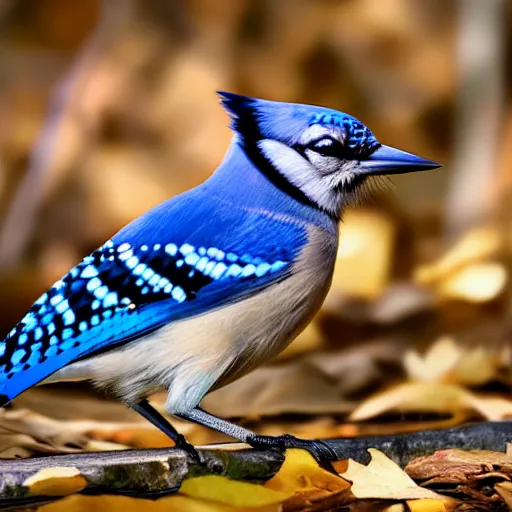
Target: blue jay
column 214, row 282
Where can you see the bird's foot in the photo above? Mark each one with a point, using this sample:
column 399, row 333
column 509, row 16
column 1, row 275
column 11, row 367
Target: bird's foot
column 320, row 450
column 210, row 464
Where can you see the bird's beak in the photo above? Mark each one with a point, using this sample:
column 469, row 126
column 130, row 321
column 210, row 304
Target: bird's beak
column 388, row 160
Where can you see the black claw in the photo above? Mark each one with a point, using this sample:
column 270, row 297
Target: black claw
column 183, row 444
column 210, row 464
column 320, row 450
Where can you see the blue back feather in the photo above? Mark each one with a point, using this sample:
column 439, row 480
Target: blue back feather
column 188, row 255
column 235, row 234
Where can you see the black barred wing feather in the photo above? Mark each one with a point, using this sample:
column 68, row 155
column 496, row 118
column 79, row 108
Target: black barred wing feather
column 107, row 298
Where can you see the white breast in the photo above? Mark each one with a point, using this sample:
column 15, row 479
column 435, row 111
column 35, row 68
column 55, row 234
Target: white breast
column 195, row 355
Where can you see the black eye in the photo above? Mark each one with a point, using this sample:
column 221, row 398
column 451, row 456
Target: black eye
column 325, row 146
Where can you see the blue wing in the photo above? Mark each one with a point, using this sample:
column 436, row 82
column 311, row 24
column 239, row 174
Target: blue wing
column 176, row 261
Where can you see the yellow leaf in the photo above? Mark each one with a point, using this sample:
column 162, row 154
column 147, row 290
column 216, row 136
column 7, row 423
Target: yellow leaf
column 437, row 362
column 479, row 282
column 301, row 472
column 383, row 479
column 426, row 505
column 58, row 481
column 450, row 362
column 177, row 503
column 477, row 366
column 230, row 492
column 476, row 245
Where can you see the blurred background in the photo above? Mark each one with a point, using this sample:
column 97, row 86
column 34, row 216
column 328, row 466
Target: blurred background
column 108, row 108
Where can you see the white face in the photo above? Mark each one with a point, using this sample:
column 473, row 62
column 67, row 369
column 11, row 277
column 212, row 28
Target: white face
column 317, row 166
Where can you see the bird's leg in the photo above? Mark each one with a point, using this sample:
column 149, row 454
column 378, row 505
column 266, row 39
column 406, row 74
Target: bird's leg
column 322, row 452
column 153, row 416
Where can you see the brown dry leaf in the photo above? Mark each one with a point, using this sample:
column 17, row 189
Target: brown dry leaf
column 474, row 246
column 313, row 384
column 448, row 361
column 439, row 360
column 383, row 479
column 38, row 430
column 75, row 402
column 295, row 387
column 432, row 397
column 219, row 489
column 20, row 445
column 357, row 367
column 67, row 431
column 364, row 254
column 459, row 466
column 504, row 489
column 470, row 474
column 399, row 301
column 57, row 481
column 121, row 504
column 25, row 433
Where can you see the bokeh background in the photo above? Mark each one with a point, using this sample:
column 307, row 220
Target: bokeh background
column 108, row 108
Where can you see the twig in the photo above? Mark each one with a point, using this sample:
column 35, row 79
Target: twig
column 64, row 106
column 153, row 473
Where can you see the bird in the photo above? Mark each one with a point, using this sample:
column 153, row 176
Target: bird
column 211, row 283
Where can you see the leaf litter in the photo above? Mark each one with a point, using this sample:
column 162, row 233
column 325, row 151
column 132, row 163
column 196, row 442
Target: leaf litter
column 317, row 389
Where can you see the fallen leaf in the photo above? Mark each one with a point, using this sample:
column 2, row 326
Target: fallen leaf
column 468, row 474
column 178, row 503
column 292, row 387
column 357, row 367
column 504, row 489
column 477, row 366
column 457, row 466
column 448, row 361
column 425, row 505
column 219, row 489
column 301, row 475
column 383, row 479
column 432, row 397
column 300, row 472
column 400, row 301
column 35, row 433
column 56, row 481
column 491, row 408
column 475, row 245
column 478, row 282
column 438, row 361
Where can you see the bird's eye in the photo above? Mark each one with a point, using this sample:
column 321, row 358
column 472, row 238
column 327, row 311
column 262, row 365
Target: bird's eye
column 325, row 146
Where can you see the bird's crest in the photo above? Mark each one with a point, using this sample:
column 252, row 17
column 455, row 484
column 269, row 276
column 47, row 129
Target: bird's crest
column 257, row 119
